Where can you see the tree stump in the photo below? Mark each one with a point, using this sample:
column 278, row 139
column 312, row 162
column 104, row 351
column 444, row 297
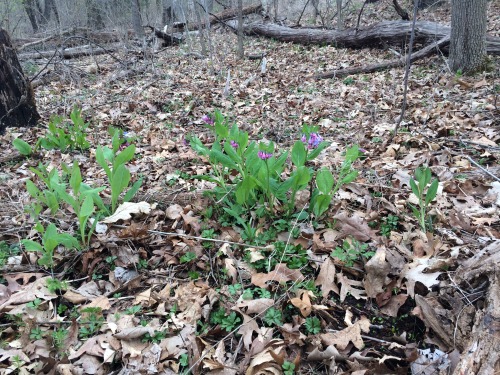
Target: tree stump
column 17, row 100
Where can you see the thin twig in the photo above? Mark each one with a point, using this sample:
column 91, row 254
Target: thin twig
column 482, row 168
column 196, row 237
column 407, row 70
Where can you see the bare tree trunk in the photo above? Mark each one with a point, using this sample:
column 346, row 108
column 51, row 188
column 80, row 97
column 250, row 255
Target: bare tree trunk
column 30, row 8
column 315, row 5
column 136, row 19
column 340, row 21
column 468, row 32
column 202, row 37
column 17, row 101
column 94, row 15
column 241, row 51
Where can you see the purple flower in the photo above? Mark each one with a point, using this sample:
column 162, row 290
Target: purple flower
column 207, row 120
column 363, row 151
column 234, row 144
column 264, row 155
column 314, row 140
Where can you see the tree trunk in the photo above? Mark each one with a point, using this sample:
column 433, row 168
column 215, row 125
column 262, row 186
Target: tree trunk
column 340, row 22
column 95, row 18
column 241, row 51
column 136, row 19
column 17, row 101
column 30, row 8
column 50, row 7
column 468, row 31
column 315, row 5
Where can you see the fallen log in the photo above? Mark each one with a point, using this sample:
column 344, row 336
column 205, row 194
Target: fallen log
column 70, row 53
column 222, row 16
column 424, row 52
column 377, row 35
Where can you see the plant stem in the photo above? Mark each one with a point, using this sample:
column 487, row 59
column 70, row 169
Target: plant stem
column 268, row 193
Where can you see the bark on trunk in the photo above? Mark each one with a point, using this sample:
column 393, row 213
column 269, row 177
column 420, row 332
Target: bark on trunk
column 136, row 19
column 17, row 101
column 481, row 354
column 29, row 6
column 468, row 31
column 94, row 15
column 377, row 35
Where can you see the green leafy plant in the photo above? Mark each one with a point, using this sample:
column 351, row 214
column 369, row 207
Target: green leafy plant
column 273, row 317
column 295, row 257
column 249, row 174
column 390, row 223
column 47, row 197
column 83, row 200
column 51, row 239
column 288, row 368
column 91, row 321
column 22, row 146
column 424, row 193
column 55, row 285
column 188, row 257
column 351, row 251
column 326, row 184
column 154, row 338
column 66, row 136
column 36, row 333
column 35, row 304
column 113, row 161
column 133, row 310
column 313, row 325
column 58, row 338
column 226, row 321
column 7, row 251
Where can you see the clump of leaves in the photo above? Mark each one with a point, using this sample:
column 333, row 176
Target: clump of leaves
column 295, row 257
column 66, row 136
column 113, row 161
column 50, row 240
column 226, row 321
column 389, row 224
column 351, row 251
column 425, row 194
column 154, row 338
column 91, row 322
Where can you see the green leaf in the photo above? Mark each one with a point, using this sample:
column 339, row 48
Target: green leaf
column 321, row 204
column 76, row 178
column 52, row 201
column 30, row 245
column 314, row 153
column 133, row 190
column 352, row 154
column 431, row 192
column 350, row 177
column 244, row 190
column 414, row 188
column 299, row 154
column 87, row 207
column 125, row 156
column 198, row 146
column 23, row 147
column 32, row 189
column 324, row 180
column 101, row 160
column 120, row 180
column 223, row 159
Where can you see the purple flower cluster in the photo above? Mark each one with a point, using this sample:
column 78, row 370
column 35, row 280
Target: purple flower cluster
column 234, row 144
column 314, row 140
column 207, row 120
column 264, row 155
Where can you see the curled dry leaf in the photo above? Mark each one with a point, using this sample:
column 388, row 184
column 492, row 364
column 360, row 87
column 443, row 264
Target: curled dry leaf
column 126, row 210
column 377, row 270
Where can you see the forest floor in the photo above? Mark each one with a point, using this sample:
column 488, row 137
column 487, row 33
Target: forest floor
column 192, row 279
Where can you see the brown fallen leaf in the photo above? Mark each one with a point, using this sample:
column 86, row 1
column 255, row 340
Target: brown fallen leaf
column 377, row 270
column 326, row 278
column 352, row 334
column 281, row 274
column 303, row 304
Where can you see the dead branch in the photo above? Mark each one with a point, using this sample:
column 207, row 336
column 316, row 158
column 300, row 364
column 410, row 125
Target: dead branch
column 389, row 32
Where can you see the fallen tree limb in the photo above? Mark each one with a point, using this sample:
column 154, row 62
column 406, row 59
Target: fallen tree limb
column 377, row 35
column 424, row 52
column 70, row 53
column 222, row 16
